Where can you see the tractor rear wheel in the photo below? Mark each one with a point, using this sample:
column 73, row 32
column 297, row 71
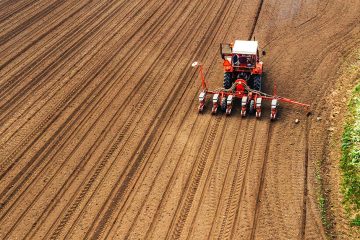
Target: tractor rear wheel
column 257, row 82
column 227, row 80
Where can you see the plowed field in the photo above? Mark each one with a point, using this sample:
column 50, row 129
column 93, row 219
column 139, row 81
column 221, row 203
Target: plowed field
column 100, row 135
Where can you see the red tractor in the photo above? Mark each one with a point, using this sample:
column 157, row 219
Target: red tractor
column 242, row 80
column 241, row 61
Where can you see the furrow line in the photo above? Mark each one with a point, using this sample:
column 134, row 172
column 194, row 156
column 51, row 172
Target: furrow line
column 12, row 12
column 38, row 81
column 89, row 113
column 195, row 181
column 146, row 97
column 185, row 215
column 105, row 158
column 8, row 36
column 89, row 154
column 32, row 39
column 237, row 186
column 256, row 19
column 305, row 196
column 262, row 179
column 142, row 156
column 55, row 113
column 54, row 142
column 137, row 164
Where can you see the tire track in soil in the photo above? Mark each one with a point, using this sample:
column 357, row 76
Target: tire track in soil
column 176, row 228
column 259, row 195
column 4, row 4
column 120, row 139
column 305, row 203
column 48, row 77
column 262, row 179
column 193, row 188
column 60, row 87
column 238, row 184
column 188, row 111
column 17, row 71
column 33, row 37
column 169, row 184
column 210, row 176
column 162, row 198
column 22, row 15
column 46, row 123
column 7, row 8
column 27, row 167
column 15, row 11
column 303, row 220
column 145, row 97
column 210, row 185
column 306, row 163
column 233, row 209
column 135, row 111
column 168, row 154
column 45, row 78
column 45, row 95
column 342, row 37
column 39, row 80
column 315, row 105
column 9, row 35
column 119, row 194
column 30, row 42
column 157, row 175
column 260, row 188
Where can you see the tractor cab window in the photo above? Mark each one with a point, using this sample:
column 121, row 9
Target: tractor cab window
column 235, row 59
column 248, row 60
column 244, row 60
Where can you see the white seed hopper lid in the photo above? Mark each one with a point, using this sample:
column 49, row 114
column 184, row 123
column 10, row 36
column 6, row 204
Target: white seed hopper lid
column 245, row 47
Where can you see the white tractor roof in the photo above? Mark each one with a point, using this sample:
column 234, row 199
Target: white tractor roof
column 245, row 47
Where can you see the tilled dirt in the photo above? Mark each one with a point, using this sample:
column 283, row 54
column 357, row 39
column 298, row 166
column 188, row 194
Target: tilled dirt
column 100, row 135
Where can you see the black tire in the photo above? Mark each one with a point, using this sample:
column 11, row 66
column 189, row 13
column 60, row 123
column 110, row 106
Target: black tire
column 227, row 80
column 223, row 104
column 252, row 107
column 257, row 83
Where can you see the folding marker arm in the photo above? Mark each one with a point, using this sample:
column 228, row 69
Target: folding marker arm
column 201, row 74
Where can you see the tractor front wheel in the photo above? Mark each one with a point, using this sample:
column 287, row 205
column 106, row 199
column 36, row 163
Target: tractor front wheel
column 223, row 104
column 252, row 107
column 257, row 82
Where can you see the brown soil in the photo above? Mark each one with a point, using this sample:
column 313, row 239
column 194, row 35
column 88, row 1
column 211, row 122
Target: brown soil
column 100, row 136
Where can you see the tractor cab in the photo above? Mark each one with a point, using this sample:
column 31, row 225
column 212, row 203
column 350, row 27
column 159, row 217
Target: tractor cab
column 241, row 54
column 241, row 61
